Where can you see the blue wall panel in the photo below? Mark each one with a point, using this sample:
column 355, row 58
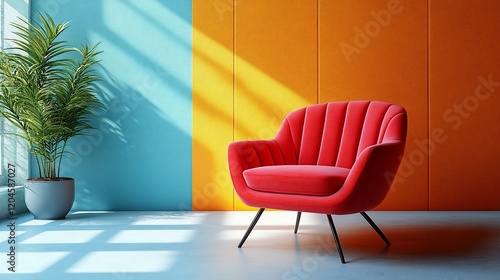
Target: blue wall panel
column 140, row 157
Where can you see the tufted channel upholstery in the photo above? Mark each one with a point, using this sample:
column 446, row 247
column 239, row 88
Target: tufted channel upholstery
column 331, row 158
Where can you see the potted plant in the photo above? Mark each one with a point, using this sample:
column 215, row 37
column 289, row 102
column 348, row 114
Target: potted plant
column 48, row 92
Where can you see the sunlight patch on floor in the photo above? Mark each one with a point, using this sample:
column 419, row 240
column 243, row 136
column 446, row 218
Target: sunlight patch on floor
column 153, row 236
column 63, row 237
column 124, row 261
column 169, row 219
column 36, row 262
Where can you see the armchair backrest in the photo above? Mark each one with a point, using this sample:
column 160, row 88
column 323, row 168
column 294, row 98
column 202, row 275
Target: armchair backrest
column 335, row 133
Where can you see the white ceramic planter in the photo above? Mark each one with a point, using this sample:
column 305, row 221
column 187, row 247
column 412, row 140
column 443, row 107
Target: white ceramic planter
column 50, row 200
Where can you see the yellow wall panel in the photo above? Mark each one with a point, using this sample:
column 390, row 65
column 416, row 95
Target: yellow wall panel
column 212, row 104
column 377, row 50
column 464, row 104
column 275, row 65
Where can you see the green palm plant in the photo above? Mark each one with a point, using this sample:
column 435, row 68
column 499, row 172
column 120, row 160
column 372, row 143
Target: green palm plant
column 47, row 93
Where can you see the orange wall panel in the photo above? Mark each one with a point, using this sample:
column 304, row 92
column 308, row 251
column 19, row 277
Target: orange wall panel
column 377, row 50
column 464, row 104
column 212, row 104
column 275, row 65
column 255, row 61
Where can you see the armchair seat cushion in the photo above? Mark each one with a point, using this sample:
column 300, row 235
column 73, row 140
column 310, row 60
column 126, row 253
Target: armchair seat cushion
column 314, row 180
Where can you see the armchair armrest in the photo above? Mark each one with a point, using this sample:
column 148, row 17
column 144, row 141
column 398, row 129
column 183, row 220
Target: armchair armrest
column 370, row 177
column 243, row 155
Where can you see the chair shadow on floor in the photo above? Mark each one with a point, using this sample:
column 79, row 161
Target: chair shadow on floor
column 410, row 243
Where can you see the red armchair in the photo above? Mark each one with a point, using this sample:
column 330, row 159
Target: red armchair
column 333, row 158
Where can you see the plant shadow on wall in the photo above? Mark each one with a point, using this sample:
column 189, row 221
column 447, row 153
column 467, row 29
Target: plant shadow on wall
column 140, row 156
column 129, row 163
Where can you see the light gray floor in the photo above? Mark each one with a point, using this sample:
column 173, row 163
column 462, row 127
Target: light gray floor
column 203, row 245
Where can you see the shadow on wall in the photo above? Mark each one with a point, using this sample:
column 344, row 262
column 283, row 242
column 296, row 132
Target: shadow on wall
column 139, row 158
column 133, row 160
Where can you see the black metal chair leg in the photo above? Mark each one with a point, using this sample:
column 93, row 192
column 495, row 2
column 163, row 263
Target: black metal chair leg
column 336, row 237
column 252, row 225
column 297, row 222
column 375, row 227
